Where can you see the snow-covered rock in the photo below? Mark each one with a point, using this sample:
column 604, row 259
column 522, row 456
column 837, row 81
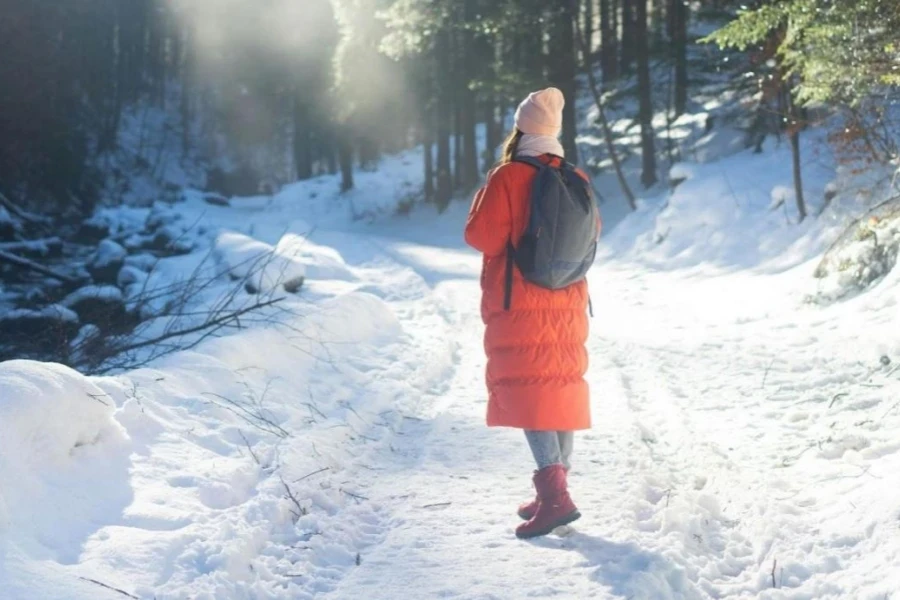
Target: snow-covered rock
column 682, row 171
column 143, row 261
column 92, row 230
column 130, row 275
column 320, row 262
column 263, row 267
column 32, row 331
column 105, row 264
column 160, row 216
column 173, row 239
column 102, row 305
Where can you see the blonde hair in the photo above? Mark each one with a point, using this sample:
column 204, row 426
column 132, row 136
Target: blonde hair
column 510, row 146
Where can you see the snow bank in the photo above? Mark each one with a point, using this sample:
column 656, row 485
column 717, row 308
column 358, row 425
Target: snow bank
column 93, row 292
column 320, row 262
column 734, row 213
column 261, row 265
column 47, row 412
column 63, row 465
column 108, row 253
column 53, row 312
column 682, row 171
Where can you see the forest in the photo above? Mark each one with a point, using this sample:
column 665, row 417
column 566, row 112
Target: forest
column 266, row 93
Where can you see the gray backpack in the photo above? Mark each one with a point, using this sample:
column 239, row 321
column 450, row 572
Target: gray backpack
column 560, row 240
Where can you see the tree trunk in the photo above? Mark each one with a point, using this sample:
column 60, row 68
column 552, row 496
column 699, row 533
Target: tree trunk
column 588, row 51
column 368, row 152
column 630, row 33
column 563, row 69
column 345, row 152
column 794, row 125
column 608, row 61
column 492, row 137
column 468, row 105
column 798, row 171
column 444, row 174
column 428, row 143
column 187, row 89
column 648, row 152
column 302, row 147
column 607, row 130
column 678, row 17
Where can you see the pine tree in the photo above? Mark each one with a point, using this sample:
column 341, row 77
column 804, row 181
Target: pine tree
column 648, row 149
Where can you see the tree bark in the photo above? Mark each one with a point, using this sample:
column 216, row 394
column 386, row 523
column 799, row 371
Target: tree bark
column 678, row 18
column 492, row 137
column 444, row 175
column 630, row 41
column 468, row 105
column 648, row 151
column 794, row 125
column 563, row 61
column 302, row 149
column 798, row 171
column 345, row 157
column 608, row 41
column 428, row 162
column 588, row 51
column 187, row 89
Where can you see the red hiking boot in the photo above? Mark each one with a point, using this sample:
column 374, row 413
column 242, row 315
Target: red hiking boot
column 528, row 509
column 555, row 506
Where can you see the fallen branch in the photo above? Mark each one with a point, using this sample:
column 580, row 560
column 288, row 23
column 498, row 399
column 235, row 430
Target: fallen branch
column 247, row 443
column 109, row 587
column 31, row 245
column 774, row 564
column 300, row 510
column 213, row 323
column 24, row 215
column 438, row 505
column 837, row 397
column 312, row 474
column 354, row 496
column 766, row 376
column 33, row 266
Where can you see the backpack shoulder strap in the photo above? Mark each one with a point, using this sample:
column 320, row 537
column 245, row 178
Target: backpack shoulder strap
column 508, row 275
column 530, row 160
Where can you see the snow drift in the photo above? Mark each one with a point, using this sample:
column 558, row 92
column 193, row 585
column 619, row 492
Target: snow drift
column 62, row 464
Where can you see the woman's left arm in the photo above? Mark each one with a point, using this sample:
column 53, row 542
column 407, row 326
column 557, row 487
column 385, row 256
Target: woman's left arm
column 489, row 224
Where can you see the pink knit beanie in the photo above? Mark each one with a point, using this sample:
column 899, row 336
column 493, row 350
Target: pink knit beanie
column 541, row 113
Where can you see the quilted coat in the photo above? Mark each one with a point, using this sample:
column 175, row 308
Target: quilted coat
column 536, row 355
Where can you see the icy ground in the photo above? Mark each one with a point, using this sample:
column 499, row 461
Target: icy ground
column 745, row 442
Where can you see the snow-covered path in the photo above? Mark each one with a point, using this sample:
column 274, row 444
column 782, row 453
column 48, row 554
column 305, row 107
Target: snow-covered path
column 743, row 444
column 736, row 434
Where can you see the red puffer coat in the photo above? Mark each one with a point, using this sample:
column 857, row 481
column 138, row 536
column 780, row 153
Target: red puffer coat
column 536, row 351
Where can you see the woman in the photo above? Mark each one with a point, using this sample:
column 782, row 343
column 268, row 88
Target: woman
column 535, row 349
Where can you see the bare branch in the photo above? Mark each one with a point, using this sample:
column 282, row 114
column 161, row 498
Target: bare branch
column 300, row 510
column 109, row 587
column 322, row 470
column 33, row 266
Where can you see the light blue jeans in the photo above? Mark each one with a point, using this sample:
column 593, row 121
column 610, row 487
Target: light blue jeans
column 551, row 447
